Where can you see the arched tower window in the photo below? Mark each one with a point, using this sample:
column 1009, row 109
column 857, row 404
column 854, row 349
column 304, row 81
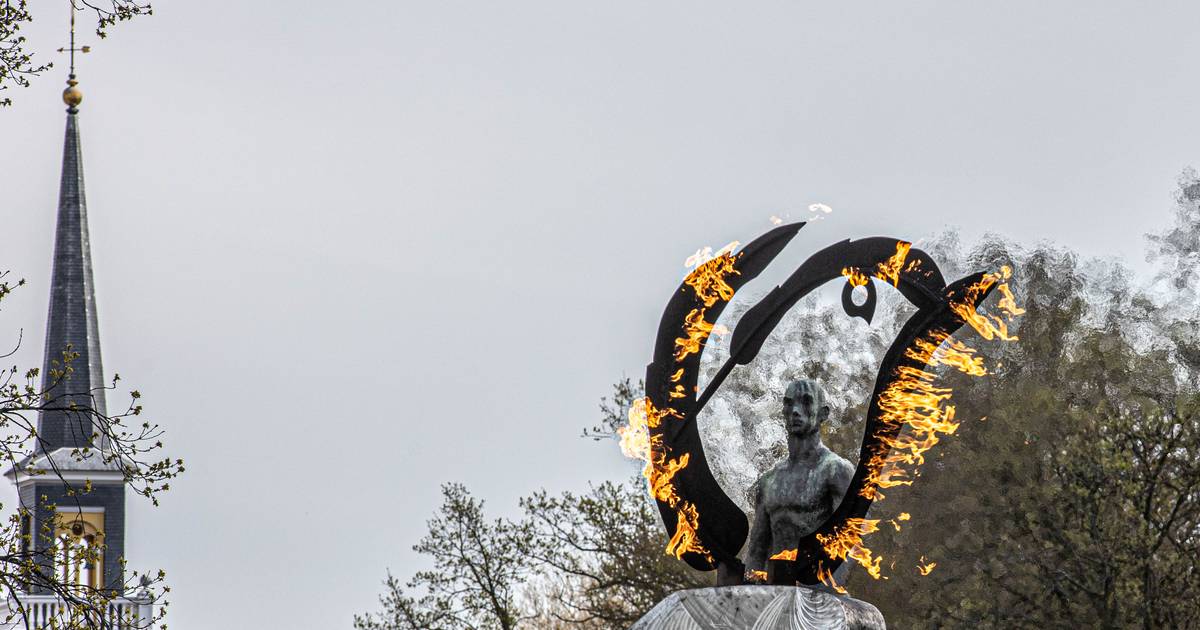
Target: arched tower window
column 79, row 556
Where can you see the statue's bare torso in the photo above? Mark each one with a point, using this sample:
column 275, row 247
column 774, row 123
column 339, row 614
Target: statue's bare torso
column 795, row 497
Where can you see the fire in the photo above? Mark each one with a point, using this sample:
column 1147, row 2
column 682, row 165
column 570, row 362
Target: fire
column 855, row 277
column 697, row 330
column 685, row 538
column 635, row 436
column 708, row 277
column 708, row 280
column 846, row 543
column 904, row 516
column 638, row 443
column 758, row 576
column 941, row 350
column 990, row 326
column 786, row 554
column 825, row 576
column 910, row 401
column 660, row 470
column 888, row 270
column 915, row 411
column 709, row 283
column 1007, row 302
column 662, row 486
column 925, row 568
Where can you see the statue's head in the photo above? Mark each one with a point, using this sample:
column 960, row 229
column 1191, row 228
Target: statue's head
column 804, row 407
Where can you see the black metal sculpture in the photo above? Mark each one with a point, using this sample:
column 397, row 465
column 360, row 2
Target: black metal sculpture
column 709, row 527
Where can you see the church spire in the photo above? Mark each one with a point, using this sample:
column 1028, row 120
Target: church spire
column 71, row 322
column 75, row 516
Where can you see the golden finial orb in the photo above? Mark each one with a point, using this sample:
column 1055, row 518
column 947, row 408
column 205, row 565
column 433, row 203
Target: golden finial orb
column 72, row 96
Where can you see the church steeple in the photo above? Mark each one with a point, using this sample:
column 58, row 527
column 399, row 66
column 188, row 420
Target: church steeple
column 72, row 373
column 80, row 505
column 71, row 325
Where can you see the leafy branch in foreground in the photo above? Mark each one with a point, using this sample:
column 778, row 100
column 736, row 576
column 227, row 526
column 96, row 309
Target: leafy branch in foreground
column 42, row 550
column 17, row 63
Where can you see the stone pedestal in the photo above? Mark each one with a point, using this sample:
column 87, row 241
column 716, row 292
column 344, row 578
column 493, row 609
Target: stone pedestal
column 760, row 608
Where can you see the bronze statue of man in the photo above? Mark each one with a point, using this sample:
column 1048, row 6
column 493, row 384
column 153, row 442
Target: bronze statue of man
column 794, row 498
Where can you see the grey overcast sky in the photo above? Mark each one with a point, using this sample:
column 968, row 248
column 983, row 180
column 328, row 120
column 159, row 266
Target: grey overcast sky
column 349, row 251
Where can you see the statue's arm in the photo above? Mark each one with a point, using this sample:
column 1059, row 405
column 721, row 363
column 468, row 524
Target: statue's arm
column 839, row 482
column 760, row 534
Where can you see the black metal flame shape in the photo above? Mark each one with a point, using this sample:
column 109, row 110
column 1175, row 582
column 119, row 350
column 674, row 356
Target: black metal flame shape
column 722, row 527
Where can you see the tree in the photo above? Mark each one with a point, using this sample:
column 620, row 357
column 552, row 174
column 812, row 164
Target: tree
column 125, row 440
column 17, row 64
column 1076, row 502
column 574, row 561
column 478, row 568
column 607, row 549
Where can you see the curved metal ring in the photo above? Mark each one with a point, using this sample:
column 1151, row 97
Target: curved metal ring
column 671, row 380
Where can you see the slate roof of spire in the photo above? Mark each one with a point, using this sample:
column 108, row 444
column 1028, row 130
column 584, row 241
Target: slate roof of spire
column 71, row 322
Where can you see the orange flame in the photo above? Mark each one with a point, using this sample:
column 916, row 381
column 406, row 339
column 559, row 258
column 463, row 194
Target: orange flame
column 889, row 269
column 709, row 283
column 825, row 576
column 757, row 576
column 990, row 326
column 1007, row 302
column 845, row 542
column 914, row 403
column 855, row 277
column 697, row 330
column 635, row 436
column 685, row 538
column 637, row 442
column 904, row 516
column 939, row 349
column 910, row 401
column 662, row 476
column 786, row 554
column 708, row 278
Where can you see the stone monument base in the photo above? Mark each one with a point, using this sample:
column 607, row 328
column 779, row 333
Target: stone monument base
column 755, row 607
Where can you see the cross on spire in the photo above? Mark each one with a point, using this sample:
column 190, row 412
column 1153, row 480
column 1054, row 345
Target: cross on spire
column 73, row 96
column 72, row 48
